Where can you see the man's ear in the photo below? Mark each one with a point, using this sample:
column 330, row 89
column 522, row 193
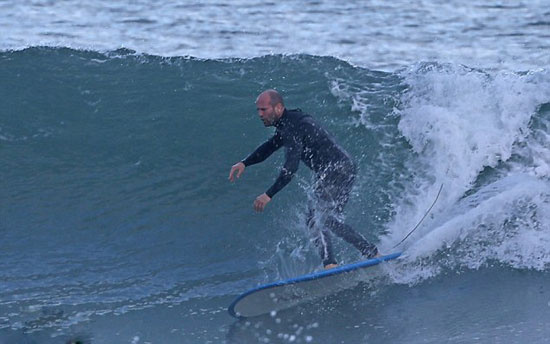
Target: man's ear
column 279, row 109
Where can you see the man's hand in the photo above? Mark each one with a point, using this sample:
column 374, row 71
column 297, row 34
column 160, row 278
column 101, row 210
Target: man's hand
column 261, row 201
column 239, row 168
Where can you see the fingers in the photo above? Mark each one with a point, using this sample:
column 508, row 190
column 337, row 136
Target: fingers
column 258, row 206
column 260, row 202
column 239, row 168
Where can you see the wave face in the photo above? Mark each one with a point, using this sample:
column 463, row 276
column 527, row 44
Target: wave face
column 114, row 178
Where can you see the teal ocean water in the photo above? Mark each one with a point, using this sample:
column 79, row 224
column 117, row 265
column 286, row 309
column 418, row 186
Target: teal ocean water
column 118, row 223
column 119, row 122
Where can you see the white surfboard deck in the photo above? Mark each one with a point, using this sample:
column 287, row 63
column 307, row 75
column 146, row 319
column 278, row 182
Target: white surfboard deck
column 284, row 294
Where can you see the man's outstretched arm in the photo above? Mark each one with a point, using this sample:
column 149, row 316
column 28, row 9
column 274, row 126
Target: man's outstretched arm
column 292, row 162
column 260, row 154
column 264, row 150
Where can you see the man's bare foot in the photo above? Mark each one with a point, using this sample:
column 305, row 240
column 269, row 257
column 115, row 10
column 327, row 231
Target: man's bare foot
column 331, row 266
column 377, row 255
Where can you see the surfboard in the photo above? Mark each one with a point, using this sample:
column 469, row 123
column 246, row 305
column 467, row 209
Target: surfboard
column 284, row 294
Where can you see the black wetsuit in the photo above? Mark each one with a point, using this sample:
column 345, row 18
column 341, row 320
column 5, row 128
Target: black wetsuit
column 305, row 140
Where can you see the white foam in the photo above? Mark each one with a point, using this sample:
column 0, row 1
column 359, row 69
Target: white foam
column 459, row 122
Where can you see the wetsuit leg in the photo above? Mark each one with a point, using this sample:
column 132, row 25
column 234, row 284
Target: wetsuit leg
column 335, row 192
column 321, row 239
column 348, row 234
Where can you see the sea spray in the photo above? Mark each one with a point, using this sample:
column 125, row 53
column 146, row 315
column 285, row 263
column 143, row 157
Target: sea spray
column 467, row 130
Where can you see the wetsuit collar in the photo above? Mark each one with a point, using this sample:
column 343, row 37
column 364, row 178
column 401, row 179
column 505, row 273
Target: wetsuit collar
column 281, row 119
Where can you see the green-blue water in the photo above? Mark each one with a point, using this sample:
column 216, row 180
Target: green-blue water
column 118, row 223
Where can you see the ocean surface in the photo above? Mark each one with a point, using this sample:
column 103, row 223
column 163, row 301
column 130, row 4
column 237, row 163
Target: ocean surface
column 119, row 122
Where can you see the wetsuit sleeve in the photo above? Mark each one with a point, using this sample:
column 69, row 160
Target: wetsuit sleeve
column 264, row 150
column 293, row 154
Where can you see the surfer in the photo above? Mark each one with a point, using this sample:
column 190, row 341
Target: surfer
column 305, row 140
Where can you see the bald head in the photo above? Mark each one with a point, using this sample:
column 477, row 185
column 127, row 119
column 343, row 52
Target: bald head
column 270, row 107
column 273, row 97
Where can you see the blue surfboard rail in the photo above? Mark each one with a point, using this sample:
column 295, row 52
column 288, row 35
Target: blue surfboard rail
column 312, row 276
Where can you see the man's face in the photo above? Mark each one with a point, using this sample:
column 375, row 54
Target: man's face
column 267, row 113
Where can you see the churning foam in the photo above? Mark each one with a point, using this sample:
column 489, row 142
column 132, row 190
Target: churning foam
column 459, row 122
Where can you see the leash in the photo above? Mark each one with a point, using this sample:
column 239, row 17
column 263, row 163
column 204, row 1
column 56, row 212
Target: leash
column 422, row 219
